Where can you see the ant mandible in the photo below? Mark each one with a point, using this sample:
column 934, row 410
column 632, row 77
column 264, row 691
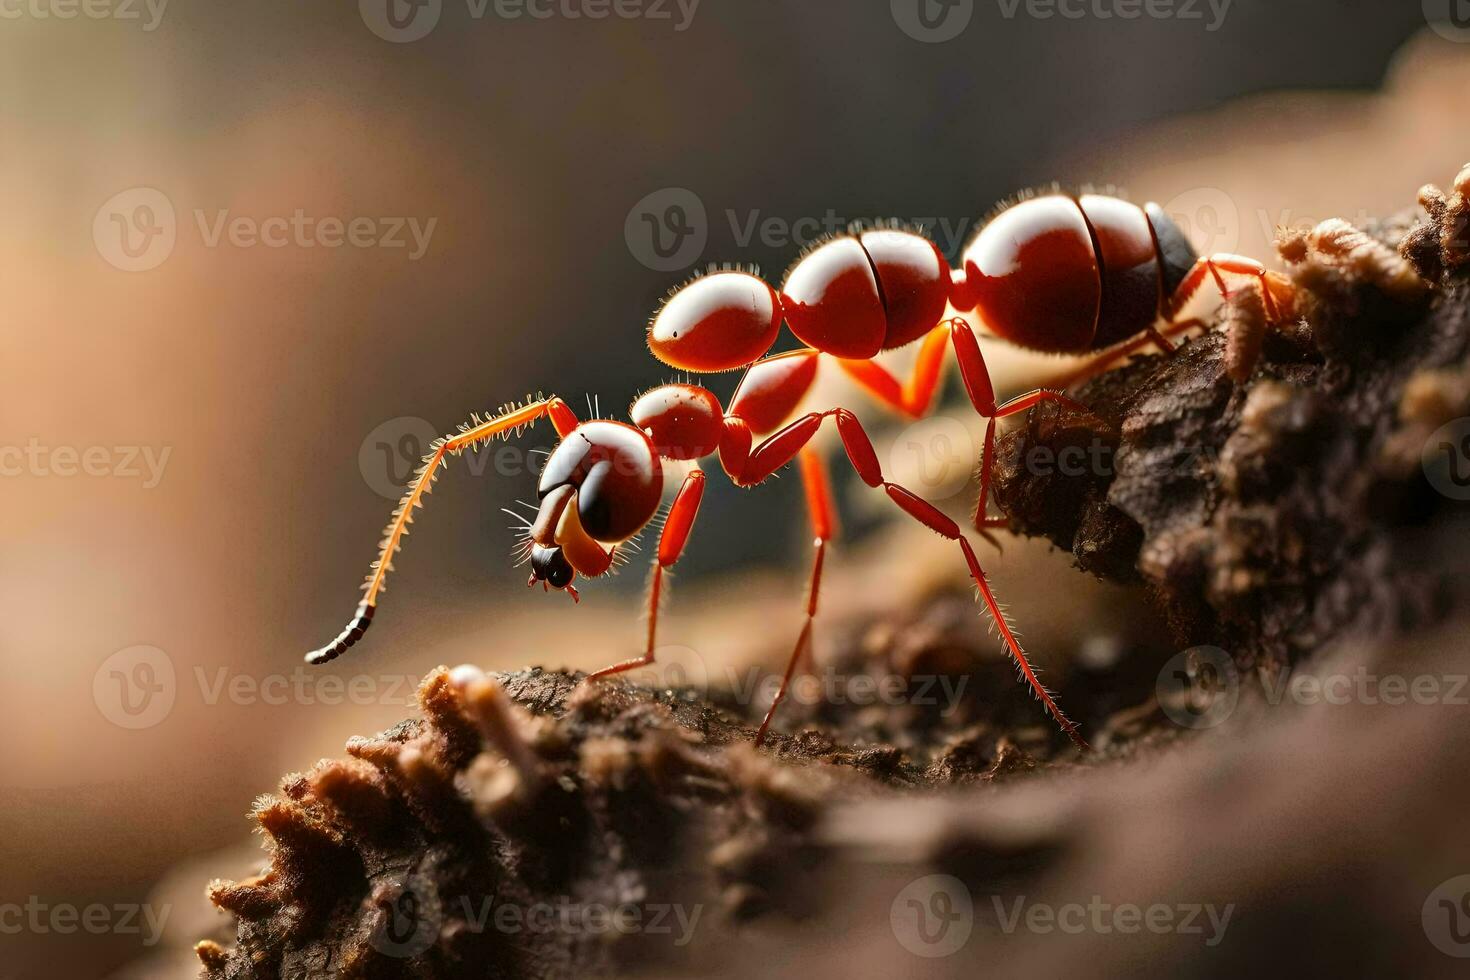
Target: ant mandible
column 1060, row 273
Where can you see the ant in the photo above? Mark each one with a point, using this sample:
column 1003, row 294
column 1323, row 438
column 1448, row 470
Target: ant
column 1061, row 273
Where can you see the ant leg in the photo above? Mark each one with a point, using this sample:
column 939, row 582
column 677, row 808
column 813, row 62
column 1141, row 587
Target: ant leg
column 1015, row 406
column 981, row 520
column 820, row 513
column 1164, row 344
column 1105, row 360
column 1275, row 291
column 860, row 453
column 670, row 548
column 780, row 448
column 979, row 387
column 913, row 397
column 1247, row 317
column 469, row 435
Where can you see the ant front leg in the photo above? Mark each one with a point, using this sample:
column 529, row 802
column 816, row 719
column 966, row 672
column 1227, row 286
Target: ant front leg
column 1247, row 317
column 671, row 543
column 820, row 512
column 469, row 436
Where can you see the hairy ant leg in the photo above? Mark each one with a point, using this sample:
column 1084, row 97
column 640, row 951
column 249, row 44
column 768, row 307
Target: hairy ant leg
column 1246, row 320
column 1094, row 366
column 781, row 447
column 470, row 435
column 981, row 391
column 1213, row 266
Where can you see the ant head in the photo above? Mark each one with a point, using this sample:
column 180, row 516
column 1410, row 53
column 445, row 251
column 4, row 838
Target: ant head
column 718, row 322
column 549, row 565
column 600, row 486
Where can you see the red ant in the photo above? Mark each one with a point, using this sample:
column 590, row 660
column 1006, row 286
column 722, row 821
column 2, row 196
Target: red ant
column 1058, row 273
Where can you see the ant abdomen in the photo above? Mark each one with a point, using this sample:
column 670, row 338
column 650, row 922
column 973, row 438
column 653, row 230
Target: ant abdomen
column 1068, row 274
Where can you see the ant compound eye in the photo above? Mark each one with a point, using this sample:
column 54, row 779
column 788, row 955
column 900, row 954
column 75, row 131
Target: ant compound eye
column 550, row 566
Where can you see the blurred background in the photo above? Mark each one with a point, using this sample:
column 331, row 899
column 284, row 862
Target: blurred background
column 256, row 255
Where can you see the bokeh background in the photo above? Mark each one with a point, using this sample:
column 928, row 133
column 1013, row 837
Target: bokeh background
column 199, row 432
